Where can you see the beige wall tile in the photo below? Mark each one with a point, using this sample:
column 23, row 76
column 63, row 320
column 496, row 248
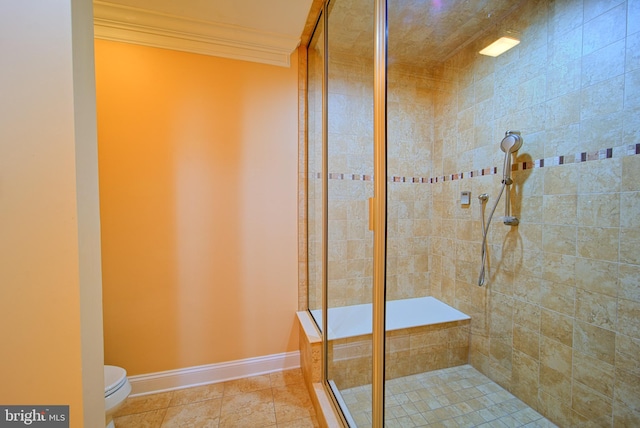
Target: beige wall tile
column 533, row 91
column 555, row 355
column 594, row 373
column 594, row 341
column 603, row 176
column 629, row 209
column 627, row 351
column 629, row 244
column 628, row 285
column 525, row 378
column 528, row 209
column 531, row 264
column 565, row 49
column 627, row 389
column 526, row 315
column 630, row 174
column 564, row 140
column 557, row 327
column 558, row 297
column 528, row 288
column 629, row 318
column 600, row 209
column 554, row 383
column 526, row 341
column 597, row 276
column 599, row 129
column 633, row 52
column 594, row 9
column 623, row 416
column 632, row 24
column 559, row 239
column 596, row 309
column 479, row 344
column 562, row 17
column 632, row 86
column 557, row 410
column 631, row 126
column 563, row 110
column 598, row 243
column 560, row 209
column 590, row 404
column 559, row 268
column 501, row 314
column 604, row 66
column 602, row 98
column 501, row 350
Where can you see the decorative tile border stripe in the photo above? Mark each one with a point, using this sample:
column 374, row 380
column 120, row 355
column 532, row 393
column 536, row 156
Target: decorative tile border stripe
column 340, row 176
column 577, row 158
column 616, row 152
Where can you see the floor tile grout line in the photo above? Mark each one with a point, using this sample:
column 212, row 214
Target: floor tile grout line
column 274, row 384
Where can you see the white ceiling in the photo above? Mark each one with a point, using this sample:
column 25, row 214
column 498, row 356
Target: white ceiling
column 253, row 30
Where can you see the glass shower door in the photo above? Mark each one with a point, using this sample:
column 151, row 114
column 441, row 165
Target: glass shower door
column 350, row 185
column 315, row 169
column 555, row 322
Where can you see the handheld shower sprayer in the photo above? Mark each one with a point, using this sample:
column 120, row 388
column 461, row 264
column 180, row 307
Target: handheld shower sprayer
column 510, row 144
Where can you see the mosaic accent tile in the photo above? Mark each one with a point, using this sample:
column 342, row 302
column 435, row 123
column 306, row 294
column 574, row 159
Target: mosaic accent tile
column 607, row 153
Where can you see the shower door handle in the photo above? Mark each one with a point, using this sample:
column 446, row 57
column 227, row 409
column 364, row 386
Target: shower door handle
column 371, row 222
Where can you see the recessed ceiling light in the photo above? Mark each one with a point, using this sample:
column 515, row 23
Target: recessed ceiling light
column 500, row 46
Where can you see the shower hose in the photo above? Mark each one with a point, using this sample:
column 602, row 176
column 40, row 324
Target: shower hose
column 485, row 231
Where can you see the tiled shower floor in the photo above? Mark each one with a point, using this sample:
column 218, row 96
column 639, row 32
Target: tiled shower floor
column 454, row 397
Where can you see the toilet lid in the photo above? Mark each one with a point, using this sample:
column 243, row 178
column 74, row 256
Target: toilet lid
column 114, row 378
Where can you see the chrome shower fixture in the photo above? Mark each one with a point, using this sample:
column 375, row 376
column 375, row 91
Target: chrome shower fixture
column 511, row 143
column 510, row 220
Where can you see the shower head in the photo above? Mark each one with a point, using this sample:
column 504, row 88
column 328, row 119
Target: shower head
column 511, row 142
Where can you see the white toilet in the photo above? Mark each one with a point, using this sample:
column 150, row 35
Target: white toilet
column 116, row 389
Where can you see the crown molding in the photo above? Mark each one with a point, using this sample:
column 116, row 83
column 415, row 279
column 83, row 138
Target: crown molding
column 149, row 28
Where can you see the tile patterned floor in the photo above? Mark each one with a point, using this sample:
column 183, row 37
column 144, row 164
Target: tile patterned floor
column 276, row 400
column 455, row 397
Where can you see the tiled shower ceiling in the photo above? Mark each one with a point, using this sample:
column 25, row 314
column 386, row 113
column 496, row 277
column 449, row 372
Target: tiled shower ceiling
column 426, row 32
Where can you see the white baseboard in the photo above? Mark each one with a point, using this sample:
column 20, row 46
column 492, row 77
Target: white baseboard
column 212, row 373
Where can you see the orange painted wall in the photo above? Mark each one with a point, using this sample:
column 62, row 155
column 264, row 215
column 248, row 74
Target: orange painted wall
column 198, row 167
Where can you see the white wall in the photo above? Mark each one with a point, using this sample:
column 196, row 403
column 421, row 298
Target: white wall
column 50, row 277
